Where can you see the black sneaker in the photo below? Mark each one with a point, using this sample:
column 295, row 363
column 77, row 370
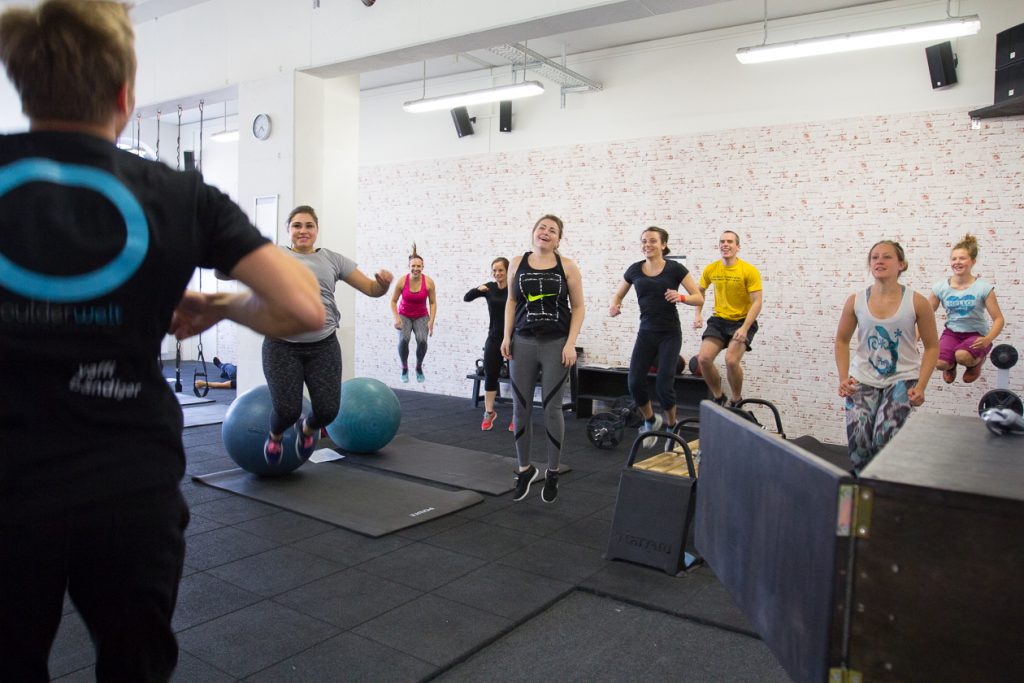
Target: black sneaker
column 550, row 490
column 523, row 481
column 721, row 400
column 734, row 404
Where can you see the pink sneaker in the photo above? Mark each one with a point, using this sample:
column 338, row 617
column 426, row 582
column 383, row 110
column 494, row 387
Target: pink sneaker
column 488, row 422
column 304, row 443
column 272, row 452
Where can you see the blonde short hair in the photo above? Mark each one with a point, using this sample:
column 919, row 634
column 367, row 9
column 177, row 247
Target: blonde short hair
column 68, row 59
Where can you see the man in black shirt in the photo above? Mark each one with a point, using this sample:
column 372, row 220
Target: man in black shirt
column 96, row 249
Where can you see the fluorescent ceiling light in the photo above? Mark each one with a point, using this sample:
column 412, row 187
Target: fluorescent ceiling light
column 225, row 136
column 861, row 40
column 502, row 92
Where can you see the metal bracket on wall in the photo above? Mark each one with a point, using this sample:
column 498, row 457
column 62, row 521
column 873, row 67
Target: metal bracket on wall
column 524, row 59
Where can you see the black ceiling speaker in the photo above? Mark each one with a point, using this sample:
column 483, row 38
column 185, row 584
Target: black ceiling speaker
column 941, row 64
column 505, row 116
column 463, row 121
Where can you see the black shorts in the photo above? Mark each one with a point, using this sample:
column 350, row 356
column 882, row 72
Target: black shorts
column 723, row 329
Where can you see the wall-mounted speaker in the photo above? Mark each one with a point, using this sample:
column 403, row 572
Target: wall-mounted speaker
column 941, row 64
column 505, row 116
column 463, row 122
column 190, row 160
column 1009, row 81
column 1010, row 46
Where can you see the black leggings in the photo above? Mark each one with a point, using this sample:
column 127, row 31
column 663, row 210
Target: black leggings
column 492, row 363
column 286, row 365
column 650, row 345
column 120, row 562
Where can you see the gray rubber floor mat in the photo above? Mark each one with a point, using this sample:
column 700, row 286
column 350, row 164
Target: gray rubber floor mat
column 452, row 465
column 366, row 502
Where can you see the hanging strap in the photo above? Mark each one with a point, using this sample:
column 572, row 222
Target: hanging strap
column 200, row 373
column 177, row 367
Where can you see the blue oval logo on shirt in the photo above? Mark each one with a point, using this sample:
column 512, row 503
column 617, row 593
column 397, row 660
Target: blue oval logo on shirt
column 85, row 286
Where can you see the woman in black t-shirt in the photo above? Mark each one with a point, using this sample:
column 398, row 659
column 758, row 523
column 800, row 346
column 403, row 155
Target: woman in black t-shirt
column 659, row 338
column 496, row 294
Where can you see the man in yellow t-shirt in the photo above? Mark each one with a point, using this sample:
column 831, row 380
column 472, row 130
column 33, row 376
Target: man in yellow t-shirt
column 734, row 323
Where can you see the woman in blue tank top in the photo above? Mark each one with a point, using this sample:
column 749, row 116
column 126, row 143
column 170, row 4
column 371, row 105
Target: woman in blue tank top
column 966, row 338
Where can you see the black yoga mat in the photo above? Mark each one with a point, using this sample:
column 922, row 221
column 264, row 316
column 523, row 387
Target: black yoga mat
column 837, row 455
column 460, row 467
column 199, row 415
column 365, row 502
column 191, row 400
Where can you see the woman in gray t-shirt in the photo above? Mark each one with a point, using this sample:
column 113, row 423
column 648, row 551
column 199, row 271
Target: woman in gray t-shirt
column 313, row 358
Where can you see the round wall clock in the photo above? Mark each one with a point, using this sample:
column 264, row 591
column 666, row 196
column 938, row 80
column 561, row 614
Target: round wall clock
column 261, row 127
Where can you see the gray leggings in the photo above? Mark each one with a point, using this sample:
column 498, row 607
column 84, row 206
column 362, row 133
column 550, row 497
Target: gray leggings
column 529, row 355
column 410, row 327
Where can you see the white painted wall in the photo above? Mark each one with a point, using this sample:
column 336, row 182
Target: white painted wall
column 265, row 167
column 11, row 118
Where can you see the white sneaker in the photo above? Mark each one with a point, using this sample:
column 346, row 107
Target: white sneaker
column 650, row 442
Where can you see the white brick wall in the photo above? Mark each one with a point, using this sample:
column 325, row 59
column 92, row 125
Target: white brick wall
column 807, row 199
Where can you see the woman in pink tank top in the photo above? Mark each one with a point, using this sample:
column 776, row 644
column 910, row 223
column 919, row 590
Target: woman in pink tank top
column 414, row 303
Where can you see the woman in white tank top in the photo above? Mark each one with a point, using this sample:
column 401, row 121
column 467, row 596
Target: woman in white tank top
column 888, row 373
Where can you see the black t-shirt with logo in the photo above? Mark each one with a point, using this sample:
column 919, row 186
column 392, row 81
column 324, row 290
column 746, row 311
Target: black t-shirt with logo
column 96, row 248
column 655, row 312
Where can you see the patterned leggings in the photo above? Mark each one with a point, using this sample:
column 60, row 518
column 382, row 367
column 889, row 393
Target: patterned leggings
column 287, row 365
column 873, row 416
column 410, row 327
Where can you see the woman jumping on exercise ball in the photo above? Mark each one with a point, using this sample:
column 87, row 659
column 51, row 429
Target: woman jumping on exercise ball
column 660, row 336
column 966, row 339
column 889, row 374
column 496, row 294
column 543, row 317
column 409, row 303
column 314, row 358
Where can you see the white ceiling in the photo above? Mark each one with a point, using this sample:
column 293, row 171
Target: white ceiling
column 701, row 15
column 615, row 24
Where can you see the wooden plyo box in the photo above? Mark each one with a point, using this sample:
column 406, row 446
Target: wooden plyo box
column 912, row 572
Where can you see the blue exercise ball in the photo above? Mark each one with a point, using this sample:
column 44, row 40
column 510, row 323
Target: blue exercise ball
column 245, row 429
column 369, row 416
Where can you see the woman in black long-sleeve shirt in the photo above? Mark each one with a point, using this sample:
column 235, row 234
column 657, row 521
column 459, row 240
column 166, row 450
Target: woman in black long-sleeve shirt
column 496, row 294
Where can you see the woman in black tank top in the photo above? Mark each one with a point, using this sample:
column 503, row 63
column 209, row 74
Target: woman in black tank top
column 543, row 317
